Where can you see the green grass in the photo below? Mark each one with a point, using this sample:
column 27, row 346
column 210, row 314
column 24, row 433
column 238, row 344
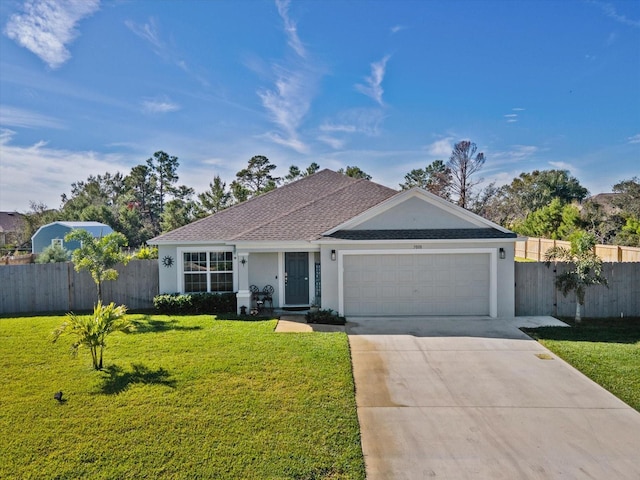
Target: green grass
column 607, row 351
column 525, row 260
column 184, row 397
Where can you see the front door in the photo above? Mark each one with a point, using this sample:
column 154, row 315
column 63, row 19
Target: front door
column 296, row 278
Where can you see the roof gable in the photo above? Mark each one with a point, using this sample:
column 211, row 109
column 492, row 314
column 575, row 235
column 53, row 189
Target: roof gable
column 416, row 209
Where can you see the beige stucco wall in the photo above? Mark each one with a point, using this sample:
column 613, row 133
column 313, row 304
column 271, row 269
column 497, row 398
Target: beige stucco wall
column 263, row 270
column 414, row 213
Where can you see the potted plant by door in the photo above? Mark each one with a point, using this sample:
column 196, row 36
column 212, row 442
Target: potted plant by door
column 315, row 306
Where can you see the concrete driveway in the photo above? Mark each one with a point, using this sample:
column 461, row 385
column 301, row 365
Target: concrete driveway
column 475, row 398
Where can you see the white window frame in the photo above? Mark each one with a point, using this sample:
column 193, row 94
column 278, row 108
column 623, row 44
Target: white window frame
column 208, row 250
column 57, row 241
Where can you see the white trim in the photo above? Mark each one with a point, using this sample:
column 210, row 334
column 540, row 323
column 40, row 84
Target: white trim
column 58, row 241
column 311, row 272
column 493, row 268
column 195, row 249
column 423, row 195
column 281, row 277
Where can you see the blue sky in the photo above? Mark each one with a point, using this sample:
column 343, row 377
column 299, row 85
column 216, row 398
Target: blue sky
column 90, row 86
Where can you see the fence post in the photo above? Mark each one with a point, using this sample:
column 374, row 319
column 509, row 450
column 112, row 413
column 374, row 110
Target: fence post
column 70, row 285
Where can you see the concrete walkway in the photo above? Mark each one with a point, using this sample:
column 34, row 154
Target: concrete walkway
column 297, row 323
column 475, row 398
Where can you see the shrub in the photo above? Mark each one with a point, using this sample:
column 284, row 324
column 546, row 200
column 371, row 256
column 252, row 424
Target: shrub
column 146, row 253
column 327, row 316
column 54, row 254
column 191, row 303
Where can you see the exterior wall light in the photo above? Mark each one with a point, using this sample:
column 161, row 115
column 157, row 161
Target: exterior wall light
column 243, row 261
column 502, row 254
column 333, row 255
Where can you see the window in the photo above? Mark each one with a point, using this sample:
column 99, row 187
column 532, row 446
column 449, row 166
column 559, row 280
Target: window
column 57, row 242
column 208, row 272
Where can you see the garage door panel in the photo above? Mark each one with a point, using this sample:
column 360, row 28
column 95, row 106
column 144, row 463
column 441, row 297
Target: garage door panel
column 416, row 284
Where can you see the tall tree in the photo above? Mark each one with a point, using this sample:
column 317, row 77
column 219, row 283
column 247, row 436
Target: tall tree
column 584, row 268
column 628, row 198
column 628, row 202
column 532, row 191
column 556, row 220
column 435, row 177
column 255, row 179
column 355, row 172
column 179, row 211
column 295, row 173
column 464, row 163
column 215, row 199
column 164, row 167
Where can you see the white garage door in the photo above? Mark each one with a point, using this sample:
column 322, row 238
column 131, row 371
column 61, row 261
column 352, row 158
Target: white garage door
column 417, row 284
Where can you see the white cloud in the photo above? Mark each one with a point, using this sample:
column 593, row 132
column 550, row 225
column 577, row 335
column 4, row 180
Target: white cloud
column 159, row 105
column 634, row 138
column 290, row 28
column 441, row 148
column 287, row 104
column 518, row 109
column 516, row 154
column 291, row 141
column 611, row 12
column 511, row 117
column 397, row 28
column 46, row 27
column 611, row 39
column 356, row 120
column 575, row 171
column 149, row 32
column 42, row 174
column 19, row 117
column 373, row 86
column 333, row 142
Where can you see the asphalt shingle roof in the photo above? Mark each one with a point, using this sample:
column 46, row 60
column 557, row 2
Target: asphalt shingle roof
column 300, row 210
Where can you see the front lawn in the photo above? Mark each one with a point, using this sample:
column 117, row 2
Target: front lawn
column 607, row 351
column 183, row 397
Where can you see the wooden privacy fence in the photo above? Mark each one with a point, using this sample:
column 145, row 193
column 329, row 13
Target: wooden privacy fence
column 535, row 248
column 57, row 287
column 536, row 293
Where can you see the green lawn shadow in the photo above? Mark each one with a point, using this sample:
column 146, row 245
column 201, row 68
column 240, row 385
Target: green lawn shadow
column 117, row 380
column 149, row 325
column 602, row 331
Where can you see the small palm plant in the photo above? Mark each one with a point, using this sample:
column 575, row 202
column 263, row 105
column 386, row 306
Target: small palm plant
column 585, row 268
column 92, row 330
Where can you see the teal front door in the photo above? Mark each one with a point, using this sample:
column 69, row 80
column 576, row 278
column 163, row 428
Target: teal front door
column 296, row 278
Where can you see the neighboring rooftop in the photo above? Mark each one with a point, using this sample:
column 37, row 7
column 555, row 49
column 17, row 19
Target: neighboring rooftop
column 11, row 221
column 606, row 201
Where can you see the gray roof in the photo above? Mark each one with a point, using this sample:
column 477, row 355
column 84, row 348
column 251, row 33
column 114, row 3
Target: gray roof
column 429, row 234
column 11, row 221
column 299, row 211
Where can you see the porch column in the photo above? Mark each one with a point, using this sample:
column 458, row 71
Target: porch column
column 244, row 294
